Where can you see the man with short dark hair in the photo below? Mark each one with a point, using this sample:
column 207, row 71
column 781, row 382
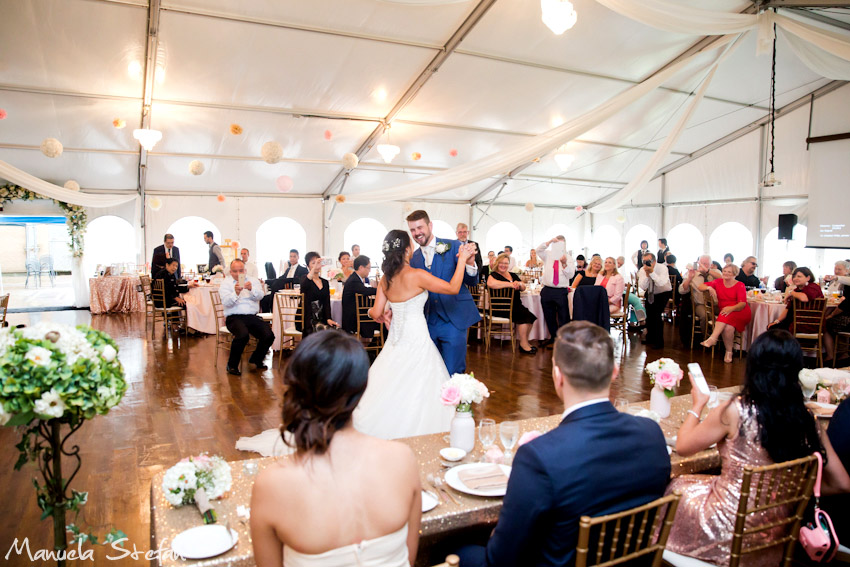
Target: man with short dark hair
column 654, row 279
column 163, row 252
column 509, row 250
column 216, row 257
column 168, row 275
column 292, row 271
column 598, row 461
column 240, row 296
column 355, row 250
column 357, row 283
column 250, row 267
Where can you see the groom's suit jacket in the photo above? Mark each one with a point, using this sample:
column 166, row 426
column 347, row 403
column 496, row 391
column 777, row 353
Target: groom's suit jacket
column 460, row 309
column 597, row 461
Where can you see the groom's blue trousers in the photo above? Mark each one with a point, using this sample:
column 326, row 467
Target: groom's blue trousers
column 451, row 342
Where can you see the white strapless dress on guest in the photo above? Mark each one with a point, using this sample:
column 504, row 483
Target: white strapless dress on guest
column 402, row 398
column 385, row 551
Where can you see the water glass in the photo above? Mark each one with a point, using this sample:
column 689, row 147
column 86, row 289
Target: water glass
column 621, row 404
column 712, row 397
column 839, row 390
column 808, row 392
column 487, row 432
column 509, row 433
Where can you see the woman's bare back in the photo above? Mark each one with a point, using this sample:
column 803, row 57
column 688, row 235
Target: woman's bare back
column 405, row 285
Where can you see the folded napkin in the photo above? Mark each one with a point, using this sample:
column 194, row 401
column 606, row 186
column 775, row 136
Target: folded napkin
column 484, row 477
column 820, row 410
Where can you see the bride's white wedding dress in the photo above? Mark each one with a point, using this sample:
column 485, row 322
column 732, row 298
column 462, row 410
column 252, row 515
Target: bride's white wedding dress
column 402, row 398
column 385, row 551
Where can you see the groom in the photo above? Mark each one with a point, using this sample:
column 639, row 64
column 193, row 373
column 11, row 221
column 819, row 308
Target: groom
column 449, row 316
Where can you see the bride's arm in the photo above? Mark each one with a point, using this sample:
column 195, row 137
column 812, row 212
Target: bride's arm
column 268, row 549
column 436, row 285
column 377, row 310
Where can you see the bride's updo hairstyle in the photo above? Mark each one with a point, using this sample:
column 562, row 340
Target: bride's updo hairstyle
column 324, row 381
column 396, row 243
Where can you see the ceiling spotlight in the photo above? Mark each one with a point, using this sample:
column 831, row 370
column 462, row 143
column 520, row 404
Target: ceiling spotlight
column 770, row 180
column 558, row 15
column 564, row 161
column 147, row 138
column 388, row 151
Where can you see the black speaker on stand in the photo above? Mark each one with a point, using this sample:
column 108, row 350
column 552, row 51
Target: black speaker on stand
column 786, row 226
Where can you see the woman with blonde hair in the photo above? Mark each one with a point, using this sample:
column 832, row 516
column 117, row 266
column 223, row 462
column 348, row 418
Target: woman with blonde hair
column 500, row 278
column 613, row 283
column 533, row 261
column 588, row 277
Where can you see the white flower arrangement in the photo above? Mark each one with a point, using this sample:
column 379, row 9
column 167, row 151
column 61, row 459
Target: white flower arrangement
column 666, row 374
column 194, row 480
column 442, row 247
column 809, row 378
column 463, row 390
column 271, row 152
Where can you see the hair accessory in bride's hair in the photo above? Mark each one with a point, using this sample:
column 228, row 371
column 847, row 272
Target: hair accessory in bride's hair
column 394, row 245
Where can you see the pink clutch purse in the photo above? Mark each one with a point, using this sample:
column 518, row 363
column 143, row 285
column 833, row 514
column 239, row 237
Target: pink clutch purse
column 819, row 539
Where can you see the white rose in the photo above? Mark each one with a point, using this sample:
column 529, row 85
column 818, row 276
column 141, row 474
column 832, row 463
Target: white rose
column 39, row 356
column 809, row 378
column 4, row 415
column 109, row 353
column 50, row 404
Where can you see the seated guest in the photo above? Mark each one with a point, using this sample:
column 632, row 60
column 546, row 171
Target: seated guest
column 716, row 265
column 835, row 491
column 805, row 289
column 654, row 279
column 355, row 251
column 702, row 273
column 509, row 250
column 291, row 271
column 613, row 283
column 838, row 321
column 581, row 264
column 597, row 461
column 533, row 261
column 241, row 303
column 317, row 298
column 728, row 259
column 637, row 256
column 621, row 260
column 661, row 257
column 840, row 279
column 783, row 282
column 672, row 269
column 163, row 252
column 356, row 283
column 588, row 275
column 168, row 275
column 501, row 278
column 485, row 271
column 747, row 275
column 332, row 479
column 250, row 267
column 346, row 263
column 767, row 423
column 730, row 295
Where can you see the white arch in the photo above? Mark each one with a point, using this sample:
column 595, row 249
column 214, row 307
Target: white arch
column 109, row 240
column 778, row 251
column 730, row 238
column 504, row 234
column 686, row 242
column 369, row 234
column 634, row 236
column 442, row 229
column 275, row 238
column 568, row 232
column 189, row 238
column 606, row 241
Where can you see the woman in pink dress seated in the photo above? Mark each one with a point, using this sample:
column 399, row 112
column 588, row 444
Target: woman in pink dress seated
column 613, row 283
column 735, row 315
column 766, row 424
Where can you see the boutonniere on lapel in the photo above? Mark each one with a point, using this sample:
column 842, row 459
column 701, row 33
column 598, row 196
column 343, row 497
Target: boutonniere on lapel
column 442, row 247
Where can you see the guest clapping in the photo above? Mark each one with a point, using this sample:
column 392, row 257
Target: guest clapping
column 319, row 507
column 613, row 283
column 317, row 297
column 731, row 298
column 502, row 278
column 840, row 278
column 805, row 289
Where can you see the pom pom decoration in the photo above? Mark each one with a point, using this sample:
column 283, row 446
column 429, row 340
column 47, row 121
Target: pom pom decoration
column 221, row 198
column 3, row 114
column 453, row 152
column 350, row 161
column 621, row 219
column 196, row 167
column 235, row 129
column 51, row 147
column 579, row 209
column 72, row 185
column 119, row 123
column 339, row 198
column 284, row 184
column 271, row 152
column 329, row 135
column 155, row 203
column 416, row 156
column 529, row 207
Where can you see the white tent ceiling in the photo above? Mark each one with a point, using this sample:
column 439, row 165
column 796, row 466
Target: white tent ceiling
column 290, row 70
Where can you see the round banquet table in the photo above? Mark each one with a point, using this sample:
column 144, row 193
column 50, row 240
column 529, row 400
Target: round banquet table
column 199, row 310
column 336, row 315
column 116, row 294
column 763, row 313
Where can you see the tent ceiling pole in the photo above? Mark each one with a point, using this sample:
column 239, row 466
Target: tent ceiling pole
column 760, row 207
column 821, row 18
column 147, row 98
column 764, row 4
column 490, row 204
column 432, row 67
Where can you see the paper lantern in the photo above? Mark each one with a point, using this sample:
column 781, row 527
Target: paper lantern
column 3, row 114
column 329, row 135
column 350, row 161
column 221, row 198
column 579, row 209
column 284, row 184
column 155, row 203
column 72, row 185
column 621, row 219
column 416, row 156
column 196, row 167
column 271, row 152
column 119, row 123
column 51, row 147
column 235, row 129
column 529, row 207
column 453, row 152
column 235, row 244
column 339, row 198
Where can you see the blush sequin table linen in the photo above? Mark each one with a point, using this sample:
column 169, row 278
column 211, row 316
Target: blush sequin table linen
column 115, row 294
column 168, row 521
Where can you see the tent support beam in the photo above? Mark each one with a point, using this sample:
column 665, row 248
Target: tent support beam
column 821, row 18
column 474, row 17
column 152, row 37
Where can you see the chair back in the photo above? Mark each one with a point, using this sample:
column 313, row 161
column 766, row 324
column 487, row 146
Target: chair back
column 289, row 310
column 4, row 307
column 159, row 293
column 146, row 287
column 626, row 294
column 780, row 493
column 33, row 266
column 218, row 309
column 364, row 303
column 628, row 535
column 591, row 304
column 478, row 292
column 270, row 272
column 809, row 316
column 710, row 306
column 500, row 303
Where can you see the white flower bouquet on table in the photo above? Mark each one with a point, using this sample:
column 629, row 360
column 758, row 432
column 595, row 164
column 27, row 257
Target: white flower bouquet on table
column 463, row 390
column 665, row 374
column 197, row 480
column 217, row 269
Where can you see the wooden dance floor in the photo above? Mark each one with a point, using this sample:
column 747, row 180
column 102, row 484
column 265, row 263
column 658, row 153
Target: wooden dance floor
column 178, row 404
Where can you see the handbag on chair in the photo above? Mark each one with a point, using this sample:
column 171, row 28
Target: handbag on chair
column 819, row 538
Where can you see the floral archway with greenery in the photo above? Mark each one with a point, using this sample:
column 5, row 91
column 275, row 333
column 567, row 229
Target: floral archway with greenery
column 75, row 215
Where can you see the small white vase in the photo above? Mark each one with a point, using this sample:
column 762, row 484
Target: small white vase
column 659, row 402
column 462, row 433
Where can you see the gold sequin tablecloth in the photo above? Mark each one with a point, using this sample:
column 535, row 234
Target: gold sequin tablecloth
column 167, row 521
column 115, row 294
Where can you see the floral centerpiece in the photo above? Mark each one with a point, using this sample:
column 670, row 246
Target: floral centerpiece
column 665, row 375
column 217, row 269
column 197, row 480
column 461, row 391
column 53, row 376
column 335, row 274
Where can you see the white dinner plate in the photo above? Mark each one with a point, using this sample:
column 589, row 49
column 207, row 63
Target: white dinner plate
column 429, row 501
column 453, row 480
column 824, row 406
column 203, row 542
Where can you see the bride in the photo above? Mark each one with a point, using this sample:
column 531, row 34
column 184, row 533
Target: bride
column 402, row 398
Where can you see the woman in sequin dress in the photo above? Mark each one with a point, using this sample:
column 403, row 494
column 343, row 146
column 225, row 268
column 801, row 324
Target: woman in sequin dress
column 767, row 423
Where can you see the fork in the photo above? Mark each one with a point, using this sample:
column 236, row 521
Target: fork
column 432, row 480
column 442, row 486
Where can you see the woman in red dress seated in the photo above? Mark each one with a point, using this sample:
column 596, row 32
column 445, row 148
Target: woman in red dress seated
column 731, row 298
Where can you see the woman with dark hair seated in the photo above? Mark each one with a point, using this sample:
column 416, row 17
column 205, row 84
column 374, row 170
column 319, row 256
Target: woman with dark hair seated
column 767, row 423
column 346, row 264
column 317, row 298
column 343, row 498
column 805, row 289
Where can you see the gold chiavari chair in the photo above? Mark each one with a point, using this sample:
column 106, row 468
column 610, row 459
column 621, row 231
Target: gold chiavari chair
column 168, row 315
column 628, row 535
column 478, row 293
column 4, row 307
column 841, row 345
column 223, row 336
column 696, row 320
column 145, row 282
column 291, row 315
column 500, row 314
column 620, row 320
column 670, row 308
column 376, row 338
column 808, row 324
column 711, row 320
column 779, row 492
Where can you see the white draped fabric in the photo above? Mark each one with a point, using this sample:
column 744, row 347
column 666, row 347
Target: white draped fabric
column 27, row 181
column 680, row 18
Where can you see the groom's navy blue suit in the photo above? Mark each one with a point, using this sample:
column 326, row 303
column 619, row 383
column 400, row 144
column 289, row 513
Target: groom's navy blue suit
column 597, row 461
column 449, row 316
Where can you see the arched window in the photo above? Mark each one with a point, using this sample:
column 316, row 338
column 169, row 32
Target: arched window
column 572, row 240
column 606, row 241
column 275, row 238
column 109, row 240
column 686, row 242
column 189, row 238
column 731, row 238
column 634, row 236
column 504, row 234
column 442, row 229
column 369, row 235
column 776, row 252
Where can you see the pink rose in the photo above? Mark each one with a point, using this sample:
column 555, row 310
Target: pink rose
column 667, row 379
column 528, row 436
column 824, row 397
column 451, row 396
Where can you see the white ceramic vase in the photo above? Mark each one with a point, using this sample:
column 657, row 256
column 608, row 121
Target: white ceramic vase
column 659, row 402
column 462, row 433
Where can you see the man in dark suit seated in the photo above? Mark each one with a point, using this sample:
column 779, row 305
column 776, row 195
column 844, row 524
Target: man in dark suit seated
column 291, row 274
column 168, row 275
column 356, row 283
column 597, row 461
column 165, row 252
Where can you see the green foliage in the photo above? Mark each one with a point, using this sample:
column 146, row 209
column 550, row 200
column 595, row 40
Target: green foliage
column 75, row 215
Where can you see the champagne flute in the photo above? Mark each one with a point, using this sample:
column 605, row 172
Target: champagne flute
column 808, row 392
column 509, row 433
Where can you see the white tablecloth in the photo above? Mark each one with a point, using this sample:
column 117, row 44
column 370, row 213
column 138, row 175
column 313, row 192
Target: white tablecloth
column 199, row 309
column 763, row 313
column 336, row 315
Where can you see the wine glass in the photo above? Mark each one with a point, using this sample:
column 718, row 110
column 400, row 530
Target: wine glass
column 839, row 390
column 808, row 392
column 509, row 433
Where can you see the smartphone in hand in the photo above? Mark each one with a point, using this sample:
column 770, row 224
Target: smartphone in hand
column 699, row 378
column 241, row 280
